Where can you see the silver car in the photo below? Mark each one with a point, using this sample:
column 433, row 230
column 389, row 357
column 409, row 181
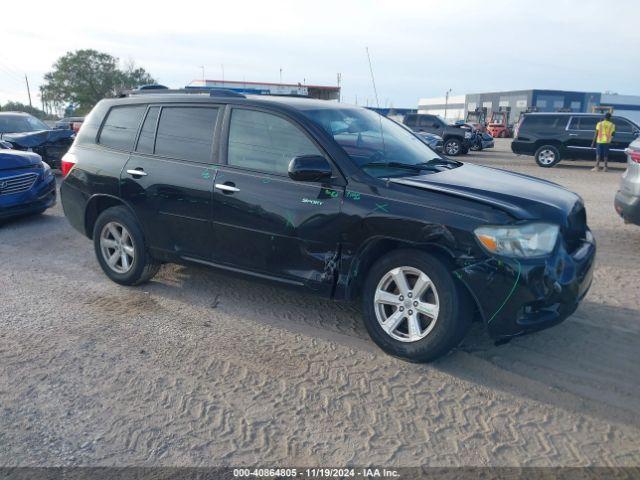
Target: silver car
column 627, row 200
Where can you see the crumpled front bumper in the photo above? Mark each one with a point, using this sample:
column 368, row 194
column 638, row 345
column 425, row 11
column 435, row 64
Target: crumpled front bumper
column 518, row 296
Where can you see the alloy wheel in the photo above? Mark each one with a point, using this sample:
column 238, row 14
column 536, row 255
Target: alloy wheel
column 116, row 246
column 546, row 157
column 406, row 304
column 452, row 148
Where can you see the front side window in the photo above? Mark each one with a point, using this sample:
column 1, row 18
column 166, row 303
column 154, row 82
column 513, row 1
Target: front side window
column 186, row 133
column 121, row 126
column 622, row 126
column 588, row 123
column 265, row 142
column 379, row 146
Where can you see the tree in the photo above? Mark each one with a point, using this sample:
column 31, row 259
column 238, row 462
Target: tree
column 21, row 107
column 84, row 77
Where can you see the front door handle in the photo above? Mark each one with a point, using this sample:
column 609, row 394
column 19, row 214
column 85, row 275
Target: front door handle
column 137, row 172
column 573, row 134
column 226, row 188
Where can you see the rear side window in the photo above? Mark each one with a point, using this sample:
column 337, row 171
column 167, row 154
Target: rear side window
column 543, row 123
column 264, row 142
column 411, row 120
column 148, row 132
column 186, row 133
column 121, row 126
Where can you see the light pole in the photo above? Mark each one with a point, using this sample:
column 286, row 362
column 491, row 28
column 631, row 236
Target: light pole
column 446, row 103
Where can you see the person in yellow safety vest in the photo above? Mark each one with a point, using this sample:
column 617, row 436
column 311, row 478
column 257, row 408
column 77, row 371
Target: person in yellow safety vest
column 602, row 139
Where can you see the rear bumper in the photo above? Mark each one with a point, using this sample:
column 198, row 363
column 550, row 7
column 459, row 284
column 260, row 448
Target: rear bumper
column 522, row 296
column 522, row 148
column 40, row 197
column 628, row 207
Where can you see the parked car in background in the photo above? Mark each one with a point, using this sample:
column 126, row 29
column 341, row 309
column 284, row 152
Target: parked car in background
column 434, row 141
column 26, row 132
column 70, row 123
column 27, row 185
column 551, row 137
column 456, row 140
column 331, row 198
column 627, row 201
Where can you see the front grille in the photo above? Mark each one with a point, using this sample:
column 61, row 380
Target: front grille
column 576, row 229
column 17, row 184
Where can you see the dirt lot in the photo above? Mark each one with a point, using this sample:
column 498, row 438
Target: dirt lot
column 197, row 368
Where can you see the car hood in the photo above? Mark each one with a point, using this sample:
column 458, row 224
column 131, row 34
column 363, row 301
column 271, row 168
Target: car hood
column 12, row 159
column 38, row 138
column 522, row 196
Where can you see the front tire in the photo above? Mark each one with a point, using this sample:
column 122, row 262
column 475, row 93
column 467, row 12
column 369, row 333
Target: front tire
column 413, row 308
column 120, row 248
column 452, row 147
column 547, row 156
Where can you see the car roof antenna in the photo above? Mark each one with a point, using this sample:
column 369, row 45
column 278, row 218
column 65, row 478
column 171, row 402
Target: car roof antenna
column 375, row 92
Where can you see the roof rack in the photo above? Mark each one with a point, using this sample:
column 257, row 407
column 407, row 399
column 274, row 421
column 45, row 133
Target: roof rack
column 212, row 92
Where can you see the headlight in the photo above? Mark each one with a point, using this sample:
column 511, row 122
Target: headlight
column 47, row 169
column 468, row 134
column 523, row 241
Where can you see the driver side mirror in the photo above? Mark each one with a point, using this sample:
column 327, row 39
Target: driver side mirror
column 309, row 168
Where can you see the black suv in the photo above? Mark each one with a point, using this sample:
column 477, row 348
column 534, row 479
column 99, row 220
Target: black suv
column 330, row 198
column 457, row 139
column 550, row 137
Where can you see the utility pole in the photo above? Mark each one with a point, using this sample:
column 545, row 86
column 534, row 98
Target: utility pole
column 446, row 103
column 28, row 91
column 280, row 74
column 339, row 89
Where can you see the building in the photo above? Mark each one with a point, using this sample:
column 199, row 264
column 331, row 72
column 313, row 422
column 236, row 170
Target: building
column 264, row 88
column 451, row 108
column 538, row 100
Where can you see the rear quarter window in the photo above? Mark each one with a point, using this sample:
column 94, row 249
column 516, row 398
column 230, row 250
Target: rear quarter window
column 121, row 126
column 543, row 123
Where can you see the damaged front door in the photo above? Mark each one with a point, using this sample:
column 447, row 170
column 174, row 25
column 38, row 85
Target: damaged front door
column 264, row 221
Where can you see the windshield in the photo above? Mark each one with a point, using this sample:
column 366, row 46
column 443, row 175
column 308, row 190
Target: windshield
column 20, row 124
column 376, row 144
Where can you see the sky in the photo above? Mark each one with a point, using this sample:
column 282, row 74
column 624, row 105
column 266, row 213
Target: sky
column 418, row 48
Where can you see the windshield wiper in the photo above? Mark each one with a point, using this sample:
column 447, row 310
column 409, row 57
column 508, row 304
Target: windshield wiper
column 416, row 167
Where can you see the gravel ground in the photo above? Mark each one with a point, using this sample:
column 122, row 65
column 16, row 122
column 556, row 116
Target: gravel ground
column 196, row 368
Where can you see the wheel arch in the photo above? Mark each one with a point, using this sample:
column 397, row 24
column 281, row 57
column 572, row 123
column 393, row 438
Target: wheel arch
column 376, row 248
column 99, row 203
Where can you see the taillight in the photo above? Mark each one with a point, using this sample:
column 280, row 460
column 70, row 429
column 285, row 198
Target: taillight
column 634, row 155
column 67, row 163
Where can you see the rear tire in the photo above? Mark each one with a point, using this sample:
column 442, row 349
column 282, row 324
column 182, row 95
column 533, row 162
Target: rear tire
column 410, row 322
column 547, row 156
column 452, row 147
column 121, row 249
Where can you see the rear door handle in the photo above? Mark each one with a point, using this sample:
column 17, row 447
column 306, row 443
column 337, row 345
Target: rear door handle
column 137, row 172
column 226, row 188
column 573, row 134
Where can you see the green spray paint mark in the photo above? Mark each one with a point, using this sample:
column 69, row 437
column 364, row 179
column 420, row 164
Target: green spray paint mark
column 381, row 207
column 353, row 195
column 206, row 175
column 266, row 180
column 289, row 220
column 513, row 289
column 331, row 193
